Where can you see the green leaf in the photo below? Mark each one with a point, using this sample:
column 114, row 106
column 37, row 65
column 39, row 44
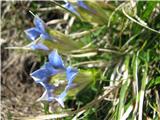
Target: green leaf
column 149, row 9
column 153, row 82
column 62, row 42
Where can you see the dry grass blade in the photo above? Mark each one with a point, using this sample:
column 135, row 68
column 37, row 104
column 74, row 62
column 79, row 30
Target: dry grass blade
column 47, row 117
column 56, row 21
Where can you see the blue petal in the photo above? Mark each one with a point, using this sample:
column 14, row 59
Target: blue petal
column 71, row 73
column 71, row 8
column 56, row 60
column 39, row 46
column 47, row 86
column 40, row 75
column 63, row 95
column 32, row 33
column 83, row 5
column 60, row 98
column 72, row 85
column 51, row 69
column 46, row 36
column 47, row 96
column 40, row 25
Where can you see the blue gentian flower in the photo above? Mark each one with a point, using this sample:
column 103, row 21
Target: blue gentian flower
column 49, row 69
column 83, row 5
column 61, row 97
column 48, row 93
column 80, row 3
column 38, row 31
column 71, row 8
column 35, row 46
column 71, row 73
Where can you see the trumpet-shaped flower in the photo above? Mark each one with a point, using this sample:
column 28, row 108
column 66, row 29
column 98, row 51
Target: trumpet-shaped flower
column 84, row 6
column 80, row 3
column 71, row 8
column 47, row 95
column 38, row 31
column 35, row 46
column 53, row 67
